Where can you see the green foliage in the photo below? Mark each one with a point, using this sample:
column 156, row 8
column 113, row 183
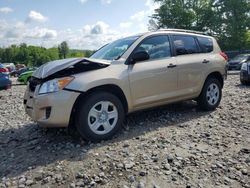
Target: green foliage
column 228, row 20
column 34, row 56
column 248, row 39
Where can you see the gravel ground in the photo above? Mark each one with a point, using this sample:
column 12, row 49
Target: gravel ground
column 172, row 146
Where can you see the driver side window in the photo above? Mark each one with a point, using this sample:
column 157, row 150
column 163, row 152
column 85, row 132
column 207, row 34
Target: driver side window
column 157, row 47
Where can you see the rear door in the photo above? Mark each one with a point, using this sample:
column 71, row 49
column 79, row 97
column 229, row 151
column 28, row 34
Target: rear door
column 191, row 63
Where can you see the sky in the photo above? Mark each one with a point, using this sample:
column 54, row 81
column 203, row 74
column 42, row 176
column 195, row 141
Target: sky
column 84, row 24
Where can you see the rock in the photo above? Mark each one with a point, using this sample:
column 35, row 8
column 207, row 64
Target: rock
column 79, row 175
column 22, row 181
column 72, row 185
column 219, row 165
column 80, row 183
column 29, row 182
column 244, row 171
column 46, row 180
column 126, row 144
column 170, row 159
column 142, row 173
column 128, row 165
column 131, row 178
column 166, row 166
column 141, row 185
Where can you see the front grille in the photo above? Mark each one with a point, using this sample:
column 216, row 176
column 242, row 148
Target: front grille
column 233, row 63
column 33, row 83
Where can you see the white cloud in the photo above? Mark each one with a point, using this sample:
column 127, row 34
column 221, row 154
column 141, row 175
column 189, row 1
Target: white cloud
column 40, row 33
column 13, row 34
column 6, row 10
column 144, row 14
column 125, row 25
column 96, row 29
column 3, row 25
column 139, row 16
column 36, row 17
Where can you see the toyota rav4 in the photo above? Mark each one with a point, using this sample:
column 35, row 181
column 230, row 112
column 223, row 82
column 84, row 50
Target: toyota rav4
column 127, row 75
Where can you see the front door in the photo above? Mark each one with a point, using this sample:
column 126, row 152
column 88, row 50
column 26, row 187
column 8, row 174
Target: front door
column 153, row 81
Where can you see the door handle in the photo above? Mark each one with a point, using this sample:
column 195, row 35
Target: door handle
column 205, row 61
column 172, row 66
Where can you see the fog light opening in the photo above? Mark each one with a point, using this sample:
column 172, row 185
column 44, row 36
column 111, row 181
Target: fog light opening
column 48, row 112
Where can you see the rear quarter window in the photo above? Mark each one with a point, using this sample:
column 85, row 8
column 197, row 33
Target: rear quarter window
column 206, row 44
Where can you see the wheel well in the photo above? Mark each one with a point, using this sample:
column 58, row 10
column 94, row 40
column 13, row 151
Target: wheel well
column 28, row 78
column 218, row 76
column 113, row 89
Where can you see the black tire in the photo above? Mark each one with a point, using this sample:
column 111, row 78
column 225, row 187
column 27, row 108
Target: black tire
column 84, row 107
column 243, row 82
column 203, row 99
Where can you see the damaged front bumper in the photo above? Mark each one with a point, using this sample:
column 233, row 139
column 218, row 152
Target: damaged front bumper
column 50, row 110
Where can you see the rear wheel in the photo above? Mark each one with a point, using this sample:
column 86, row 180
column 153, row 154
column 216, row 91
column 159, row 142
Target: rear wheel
column 100, row 116
column 211, row 94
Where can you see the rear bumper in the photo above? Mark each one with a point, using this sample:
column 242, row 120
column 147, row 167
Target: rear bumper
column 50, row 110
column 5, row 84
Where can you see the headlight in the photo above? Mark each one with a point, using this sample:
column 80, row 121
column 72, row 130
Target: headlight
column 55, row 85
column 244, row 67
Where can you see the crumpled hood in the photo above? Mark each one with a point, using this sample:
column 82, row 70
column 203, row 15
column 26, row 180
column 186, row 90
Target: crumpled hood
column 55, row 66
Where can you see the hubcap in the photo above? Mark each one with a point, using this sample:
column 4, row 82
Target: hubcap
column 213, row 94
column 102, row 117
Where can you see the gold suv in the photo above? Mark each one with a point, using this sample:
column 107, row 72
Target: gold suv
column 124, row 76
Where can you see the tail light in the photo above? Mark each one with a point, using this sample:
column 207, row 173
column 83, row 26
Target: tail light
column 224, row 55
column 4, row 70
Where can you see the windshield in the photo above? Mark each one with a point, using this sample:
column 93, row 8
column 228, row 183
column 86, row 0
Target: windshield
column 114, row 50
column 240, row 58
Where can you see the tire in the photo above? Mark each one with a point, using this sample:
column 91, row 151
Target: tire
column 99, row 116
column 244, row 82
column 211, row 94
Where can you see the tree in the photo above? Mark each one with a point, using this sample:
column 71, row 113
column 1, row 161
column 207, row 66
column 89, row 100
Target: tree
column 228, row 20
column 235, row 22
column 63, row 50
column 248, row 39
column 36, row 56
column 184, row 14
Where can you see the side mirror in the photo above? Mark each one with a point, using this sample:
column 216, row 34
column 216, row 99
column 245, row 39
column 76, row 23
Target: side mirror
column 139, row 56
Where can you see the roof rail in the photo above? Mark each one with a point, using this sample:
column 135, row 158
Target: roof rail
column 185, row 31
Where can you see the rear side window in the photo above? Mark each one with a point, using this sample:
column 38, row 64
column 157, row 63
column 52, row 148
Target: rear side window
column 206, row 44
column 185, row 45
column 157, row 47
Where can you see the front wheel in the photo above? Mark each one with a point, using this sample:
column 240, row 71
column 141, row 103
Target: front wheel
column 99, row 116
column 211, row 94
